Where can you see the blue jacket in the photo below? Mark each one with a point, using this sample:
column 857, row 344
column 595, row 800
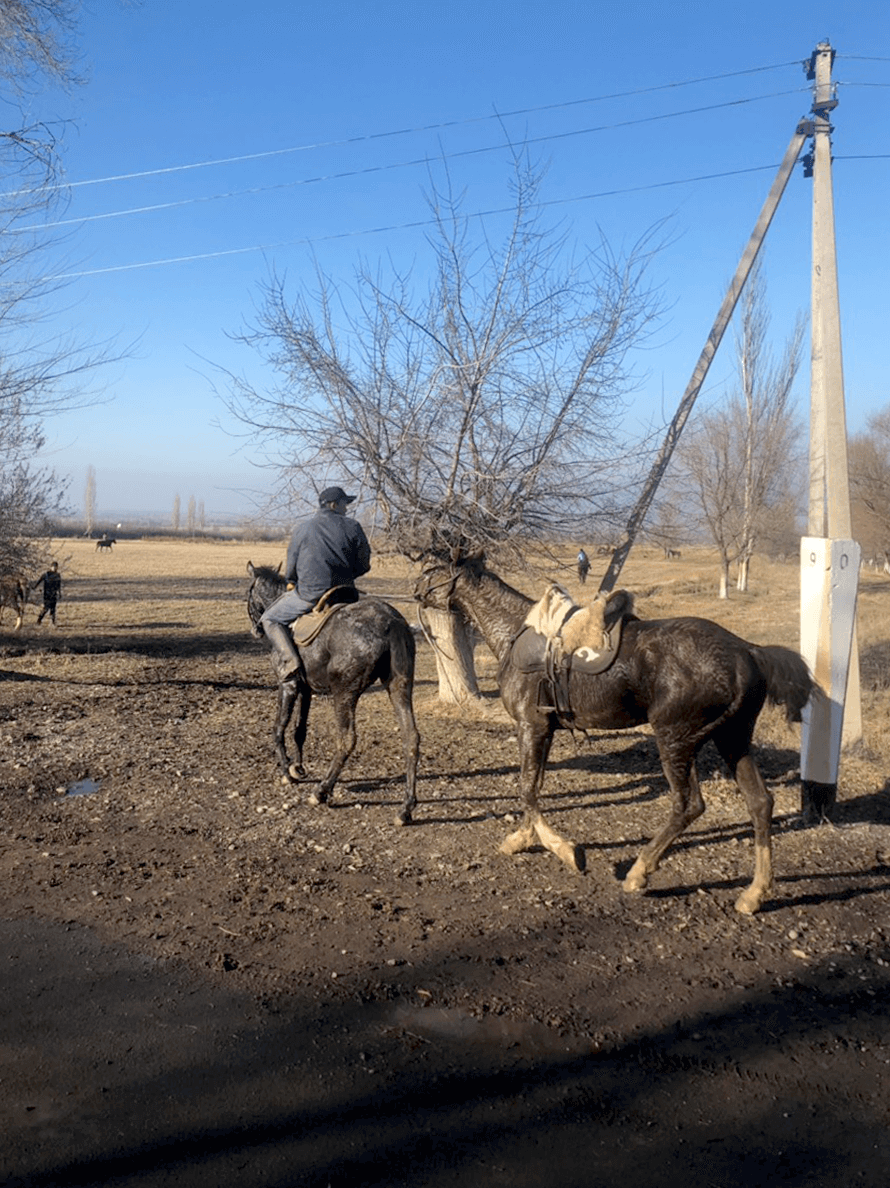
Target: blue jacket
column 324, row 551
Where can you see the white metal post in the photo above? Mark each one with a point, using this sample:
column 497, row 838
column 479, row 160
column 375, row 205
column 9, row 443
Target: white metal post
column 829, row 583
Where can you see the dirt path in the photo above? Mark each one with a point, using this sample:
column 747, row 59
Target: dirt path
column 206, row 981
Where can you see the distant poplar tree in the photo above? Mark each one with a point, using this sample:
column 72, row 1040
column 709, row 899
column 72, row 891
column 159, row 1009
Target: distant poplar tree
column 89, row 501
column 190, row 519
column 176, row 506
column 202, row 522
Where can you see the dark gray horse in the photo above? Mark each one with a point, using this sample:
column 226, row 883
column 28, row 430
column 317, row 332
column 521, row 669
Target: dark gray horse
column 690, row 679
column 363, row 642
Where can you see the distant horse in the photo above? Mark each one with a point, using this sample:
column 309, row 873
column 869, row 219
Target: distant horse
column 672, row 554
column 14, row 593
column 104, row 543
column 690, row 679
column 363, row 642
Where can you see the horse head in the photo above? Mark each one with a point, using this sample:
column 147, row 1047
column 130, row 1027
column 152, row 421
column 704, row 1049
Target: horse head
column 439, row 576
column 266, row 585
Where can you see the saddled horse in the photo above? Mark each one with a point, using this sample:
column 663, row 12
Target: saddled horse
column 690, row 679
column 14, row 594
column 105, row 542
column 363, row 642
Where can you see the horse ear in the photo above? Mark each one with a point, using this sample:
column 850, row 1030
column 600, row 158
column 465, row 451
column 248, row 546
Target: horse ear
column 278, row 570
column 250, row 569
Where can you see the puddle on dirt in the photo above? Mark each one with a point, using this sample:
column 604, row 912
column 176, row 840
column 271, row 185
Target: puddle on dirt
column 489, row 1031
column 82, row 787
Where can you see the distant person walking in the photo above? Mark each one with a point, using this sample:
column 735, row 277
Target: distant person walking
column 52, row 591
column 583, row 566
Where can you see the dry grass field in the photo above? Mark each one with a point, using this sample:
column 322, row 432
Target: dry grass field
column 478, row 1018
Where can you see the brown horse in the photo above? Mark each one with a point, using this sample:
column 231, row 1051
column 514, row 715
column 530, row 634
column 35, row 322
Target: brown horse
column 690, row 679
column 14, row 593
column 364, row 642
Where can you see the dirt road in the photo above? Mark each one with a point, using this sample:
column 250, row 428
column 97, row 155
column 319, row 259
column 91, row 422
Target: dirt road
column 206, row 981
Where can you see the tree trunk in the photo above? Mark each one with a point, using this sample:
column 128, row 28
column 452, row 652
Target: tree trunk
column 724, row 579
column 742, row 577
column 451, row 638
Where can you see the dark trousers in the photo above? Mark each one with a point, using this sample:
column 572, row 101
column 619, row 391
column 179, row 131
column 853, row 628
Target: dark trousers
column 50, row 608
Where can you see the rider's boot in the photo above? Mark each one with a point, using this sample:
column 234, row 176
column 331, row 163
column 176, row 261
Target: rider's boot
column 285, row 655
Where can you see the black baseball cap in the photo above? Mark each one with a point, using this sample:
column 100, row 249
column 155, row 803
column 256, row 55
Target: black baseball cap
column 335, row 495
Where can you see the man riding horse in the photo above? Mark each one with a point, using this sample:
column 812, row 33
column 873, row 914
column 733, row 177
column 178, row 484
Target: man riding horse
column 327, row 550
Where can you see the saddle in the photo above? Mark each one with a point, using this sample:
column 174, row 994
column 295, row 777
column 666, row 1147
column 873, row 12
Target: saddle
column 306, row 627
column 560, row 637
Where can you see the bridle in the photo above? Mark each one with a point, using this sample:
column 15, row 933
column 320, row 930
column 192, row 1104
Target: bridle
column 450, row 582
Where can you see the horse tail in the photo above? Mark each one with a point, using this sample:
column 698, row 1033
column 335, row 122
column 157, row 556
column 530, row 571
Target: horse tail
column 402, row 652
column 788, row 679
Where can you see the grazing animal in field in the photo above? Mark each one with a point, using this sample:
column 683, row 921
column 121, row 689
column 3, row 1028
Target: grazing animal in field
column 363, row 642
column 690, row 679
column 105, row 542
column 672, row 554
column 14, row 594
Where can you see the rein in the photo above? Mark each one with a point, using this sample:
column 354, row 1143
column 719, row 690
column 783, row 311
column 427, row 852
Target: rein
column 421, row 599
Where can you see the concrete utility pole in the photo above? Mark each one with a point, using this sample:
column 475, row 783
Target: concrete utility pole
column 829, row 558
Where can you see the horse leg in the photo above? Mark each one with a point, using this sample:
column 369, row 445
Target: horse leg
column 679, row 767
column 400, row 697
column 344, row 715
column 303, row 699
column 759, row 799
column 535, row 739
column 287, row 695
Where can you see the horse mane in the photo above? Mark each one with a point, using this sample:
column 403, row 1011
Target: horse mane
column 268, row 573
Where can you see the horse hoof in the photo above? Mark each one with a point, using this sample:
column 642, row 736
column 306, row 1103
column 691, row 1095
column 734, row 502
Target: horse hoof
column 749, row 902
column 636, row 879
column 403, row 819
column 317, row 798
column 518, row 841
column 296, row 771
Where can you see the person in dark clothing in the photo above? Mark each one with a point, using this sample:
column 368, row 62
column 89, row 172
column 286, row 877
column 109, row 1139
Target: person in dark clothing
column 327, row 550
column 583, row 566
column 52, row 591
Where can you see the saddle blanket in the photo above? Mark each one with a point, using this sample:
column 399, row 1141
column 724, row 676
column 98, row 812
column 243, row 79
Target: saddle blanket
column 305, row 629
column 559, row 632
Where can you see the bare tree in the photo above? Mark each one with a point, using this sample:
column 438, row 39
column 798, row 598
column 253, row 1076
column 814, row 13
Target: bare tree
column 41, row 370
column 738, row 463
column 175, row 517
column 771, row 428
column 482, row 412
column 869, row 464
column 35, row 43
column 190, row 516
column 30, row 496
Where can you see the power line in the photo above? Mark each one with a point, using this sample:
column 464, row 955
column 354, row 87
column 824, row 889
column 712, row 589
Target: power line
column 497, row 115
column 409, row 164
column 306, row 240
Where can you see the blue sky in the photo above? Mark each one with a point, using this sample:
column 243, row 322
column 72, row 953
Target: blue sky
column 297, row 132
